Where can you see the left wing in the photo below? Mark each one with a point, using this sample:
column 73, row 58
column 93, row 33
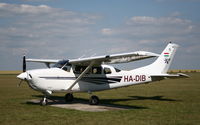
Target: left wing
column 42, row 60
column 46, row 61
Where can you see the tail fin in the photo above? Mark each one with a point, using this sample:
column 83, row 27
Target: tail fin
column 163, row 62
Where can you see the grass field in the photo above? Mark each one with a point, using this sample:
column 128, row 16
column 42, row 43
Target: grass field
column 168, row 102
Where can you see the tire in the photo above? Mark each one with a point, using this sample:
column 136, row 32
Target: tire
column 94, row 100
column 69, row 97
column 43, row 102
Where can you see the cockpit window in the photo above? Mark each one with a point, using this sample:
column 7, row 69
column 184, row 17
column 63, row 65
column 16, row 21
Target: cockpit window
column 63, row 64
column 60, row 64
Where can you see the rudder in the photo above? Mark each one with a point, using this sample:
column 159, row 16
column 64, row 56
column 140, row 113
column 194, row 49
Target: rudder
column 163, row 62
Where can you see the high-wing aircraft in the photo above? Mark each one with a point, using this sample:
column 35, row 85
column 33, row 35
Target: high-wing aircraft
column 93, row 74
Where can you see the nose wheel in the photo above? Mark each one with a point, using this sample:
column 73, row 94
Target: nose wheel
column 44, row 101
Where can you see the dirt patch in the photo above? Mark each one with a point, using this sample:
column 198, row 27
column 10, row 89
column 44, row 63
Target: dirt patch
column 81, row 106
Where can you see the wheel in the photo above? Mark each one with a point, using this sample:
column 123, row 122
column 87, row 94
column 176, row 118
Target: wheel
column 43, row 102
column 94, row 100
column 69, row 97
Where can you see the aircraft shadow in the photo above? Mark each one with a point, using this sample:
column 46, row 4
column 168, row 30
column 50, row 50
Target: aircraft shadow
column 103, row 102
column 158, row 98
column 110, row 103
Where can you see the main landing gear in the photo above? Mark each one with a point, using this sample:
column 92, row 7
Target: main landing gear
column 94, row 100
column 69, row 97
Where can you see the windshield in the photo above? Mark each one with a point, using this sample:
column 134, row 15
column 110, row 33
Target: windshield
column 61, row 63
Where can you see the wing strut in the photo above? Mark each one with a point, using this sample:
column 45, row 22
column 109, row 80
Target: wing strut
column 81, row 75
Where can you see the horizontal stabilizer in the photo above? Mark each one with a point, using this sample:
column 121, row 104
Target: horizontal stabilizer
column 170, row 76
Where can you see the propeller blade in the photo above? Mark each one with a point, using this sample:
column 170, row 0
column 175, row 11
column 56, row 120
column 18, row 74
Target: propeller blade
column 20, row 83
column 24, row 63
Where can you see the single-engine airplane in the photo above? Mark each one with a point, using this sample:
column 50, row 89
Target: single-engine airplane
column 92, row 74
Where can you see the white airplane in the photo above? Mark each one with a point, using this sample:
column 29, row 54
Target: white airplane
column 91, row 74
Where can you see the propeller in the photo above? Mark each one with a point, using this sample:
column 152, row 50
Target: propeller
column 18, row 85
column 23, row 69
column 24, row 63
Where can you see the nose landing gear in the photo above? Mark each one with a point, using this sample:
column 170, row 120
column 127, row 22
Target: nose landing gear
column 44, row 101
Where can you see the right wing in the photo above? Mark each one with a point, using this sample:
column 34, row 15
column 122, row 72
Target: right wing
column 106, row 59
column 114, row 58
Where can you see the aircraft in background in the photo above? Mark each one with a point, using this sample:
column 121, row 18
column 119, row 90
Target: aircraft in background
column 92, row 74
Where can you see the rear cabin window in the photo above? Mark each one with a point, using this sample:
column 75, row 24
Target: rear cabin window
column 117, row 70
column 107, row 71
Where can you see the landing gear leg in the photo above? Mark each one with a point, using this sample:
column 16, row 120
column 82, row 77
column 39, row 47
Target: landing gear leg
column 69, row 97
column 44, row 101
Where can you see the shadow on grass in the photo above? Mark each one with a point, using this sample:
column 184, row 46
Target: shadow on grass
column 158, row 98
column 53, row 100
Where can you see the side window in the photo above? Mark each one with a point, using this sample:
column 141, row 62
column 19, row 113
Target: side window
column 107, row 71
column 67, row 68
column 96, row 70
column 79, row 69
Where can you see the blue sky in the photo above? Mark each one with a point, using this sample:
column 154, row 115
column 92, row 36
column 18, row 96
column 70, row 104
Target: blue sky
column 74, row 28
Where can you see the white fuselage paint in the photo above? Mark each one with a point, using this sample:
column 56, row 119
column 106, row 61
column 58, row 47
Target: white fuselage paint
column 58, row 80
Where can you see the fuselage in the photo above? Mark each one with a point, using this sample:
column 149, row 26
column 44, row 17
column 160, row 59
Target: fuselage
column 97, row 79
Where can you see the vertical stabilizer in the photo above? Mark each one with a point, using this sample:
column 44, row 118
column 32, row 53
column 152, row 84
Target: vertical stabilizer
column 163, row 62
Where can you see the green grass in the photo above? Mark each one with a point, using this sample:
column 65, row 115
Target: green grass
column 168, row 102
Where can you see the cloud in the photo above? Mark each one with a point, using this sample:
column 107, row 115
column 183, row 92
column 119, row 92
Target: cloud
column 12, row 9
column 46, row 32
column 106, row 31
column 150, row 33
column 143, row 26
column 42, row 31
column 157, row 21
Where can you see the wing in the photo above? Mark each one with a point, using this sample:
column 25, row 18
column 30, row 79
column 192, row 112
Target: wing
column 106, row 59
column 42, row 60
column 115, row 58
column 45, row 61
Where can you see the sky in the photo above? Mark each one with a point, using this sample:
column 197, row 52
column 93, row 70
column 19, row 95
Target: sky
column 68, row 29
